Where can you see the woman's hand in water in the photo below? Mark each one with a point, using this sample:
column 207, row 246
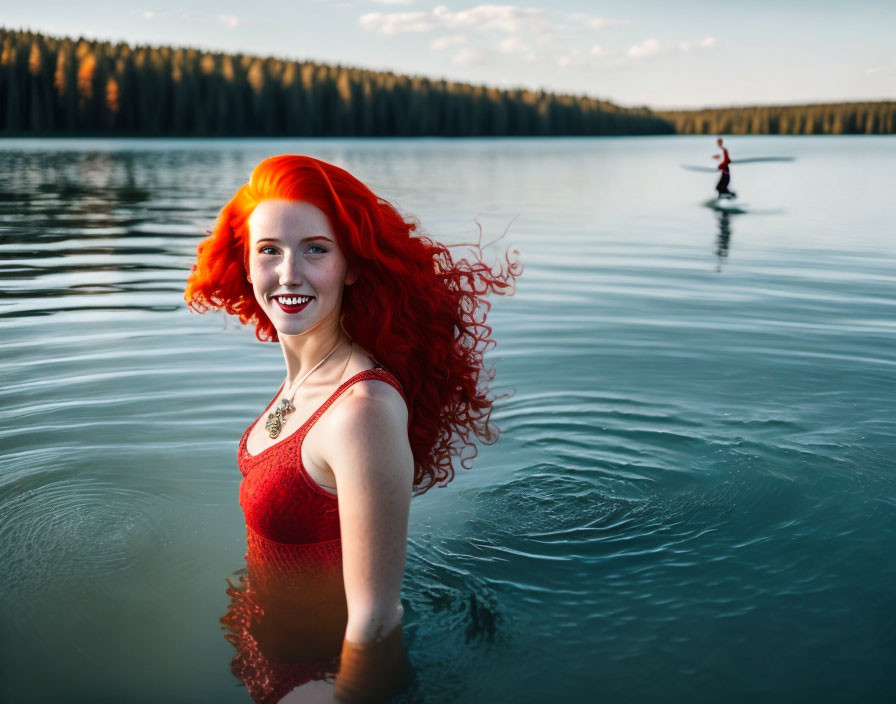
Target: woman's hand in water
column 313, row 692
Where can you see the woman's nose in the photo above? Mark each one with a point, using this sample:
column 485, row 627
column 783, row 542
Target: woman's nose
column 290, row 273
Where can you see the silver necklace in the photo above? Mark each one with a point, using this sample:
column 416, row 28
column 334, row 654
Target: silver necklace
column 276, row 418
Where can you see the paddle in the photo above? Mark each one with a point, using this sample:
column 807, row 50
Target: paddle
column 749, row 160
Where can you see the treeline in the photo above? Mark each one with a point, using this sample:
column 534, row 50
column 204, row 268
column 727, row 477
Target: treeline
column 831, row 118
column 64, row 86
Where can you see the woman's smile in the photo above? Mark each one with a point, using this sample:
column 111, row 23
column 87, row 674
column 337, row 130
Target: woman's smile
column 293, row 304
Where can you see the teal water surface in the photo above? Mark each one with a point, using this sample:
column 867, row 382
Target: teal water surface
column 693, row 497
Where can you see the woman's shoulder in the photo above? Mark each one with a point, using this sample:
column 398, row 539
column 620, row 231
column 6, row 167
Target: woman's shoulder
column 370, row 396
column 373, row 381
column 368, row 425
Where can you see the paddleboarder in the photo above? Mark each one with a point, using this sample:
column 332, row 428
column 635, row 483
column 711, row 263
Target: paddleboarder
column 722, row 185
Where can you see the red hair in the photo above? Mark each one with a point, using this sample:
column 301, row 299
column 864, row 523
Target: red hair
column 429, row 329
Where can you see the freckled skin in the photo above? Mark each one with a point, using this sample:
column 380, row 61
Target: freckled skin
column 314, row 268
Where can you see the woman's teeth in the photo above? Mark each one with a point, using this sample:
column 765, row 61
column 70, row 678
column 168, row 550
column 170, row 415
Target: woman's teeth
column 293, row 301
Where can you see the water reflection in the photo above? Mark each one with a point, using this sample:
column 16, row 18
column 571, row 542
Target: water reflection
column 286, row 627
column 287, row 618
column 76, row 226
column 723, row 238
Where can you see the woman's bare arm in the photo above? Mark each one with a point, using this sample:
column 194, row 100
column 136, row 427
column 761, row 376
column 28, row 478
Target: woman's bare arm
column 371, row 458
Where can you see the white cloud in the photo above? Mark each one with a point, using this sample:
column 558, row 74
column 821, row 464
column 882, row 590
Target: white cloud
column 706, row 43
column 573, row 59
column 397, row 22
column 604, row 22
column 651, row 47
column 470, row 56
column 449, row 41
column 491, row 33
column 595, row 22
column 646, row 49
column 512, row 45
column 506, row 18
column 230, row 20
column 157, row 14
column 483, row 33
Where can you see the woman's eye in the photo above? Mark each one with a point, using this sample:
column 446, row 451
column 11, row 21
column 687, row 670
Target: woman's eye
column 321, row 250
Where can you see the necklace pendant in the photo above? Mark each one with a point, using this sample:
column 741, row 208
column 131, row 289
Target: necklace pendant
column 274, row 423
column 285, row 406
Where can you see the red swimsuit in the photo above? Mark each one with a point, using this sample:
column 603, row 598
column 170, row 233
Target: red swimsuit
column 287, row 617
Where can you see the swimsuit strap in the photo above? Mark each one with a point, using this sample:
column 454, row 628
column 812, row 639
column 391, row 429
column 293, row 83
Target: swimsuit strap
column 378, row 372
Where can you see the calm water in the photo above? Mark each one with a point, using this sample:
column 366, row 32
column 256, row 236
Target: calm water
column 693, row 498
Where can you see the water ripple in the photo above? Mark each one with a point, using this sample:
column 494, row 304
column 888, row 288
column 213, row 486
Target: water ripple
column 90, row 529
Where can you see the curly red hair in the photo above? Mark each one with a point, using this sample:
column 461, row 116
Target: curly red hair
column 429, row 329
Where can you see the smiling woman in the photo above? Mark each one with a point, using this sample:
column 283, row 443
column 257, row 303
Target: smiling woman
column 389, row 333
column 282, row 241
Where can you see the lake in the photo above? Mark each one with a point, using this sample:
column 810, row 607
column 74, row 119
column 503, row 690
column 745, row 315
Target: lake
column 693, row 497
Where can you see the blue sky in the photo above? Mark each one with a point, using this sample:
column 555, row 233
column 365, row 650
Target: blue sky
column 688, row 53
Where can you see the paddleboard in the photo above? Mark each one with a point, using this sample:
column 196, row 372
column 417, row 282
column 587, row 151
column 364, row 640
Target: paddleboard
column 726, row 205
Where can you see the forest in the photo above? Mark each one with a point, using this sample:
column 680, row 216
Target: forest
column 64, row 86
column 60, row 86
column 829, row 118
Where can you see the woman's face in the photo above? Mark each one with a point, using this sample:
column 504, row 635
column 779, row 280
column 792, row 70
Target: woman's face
column 295, row 265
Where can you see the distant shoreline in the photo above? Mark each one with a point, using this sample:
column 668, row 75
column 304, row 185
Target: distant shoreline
column 4, row 137
column 824, row 118
column 65, row 87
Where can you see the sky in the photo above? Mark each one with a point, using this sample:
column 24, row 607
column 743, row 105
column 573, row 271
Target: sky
column 684, row 54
